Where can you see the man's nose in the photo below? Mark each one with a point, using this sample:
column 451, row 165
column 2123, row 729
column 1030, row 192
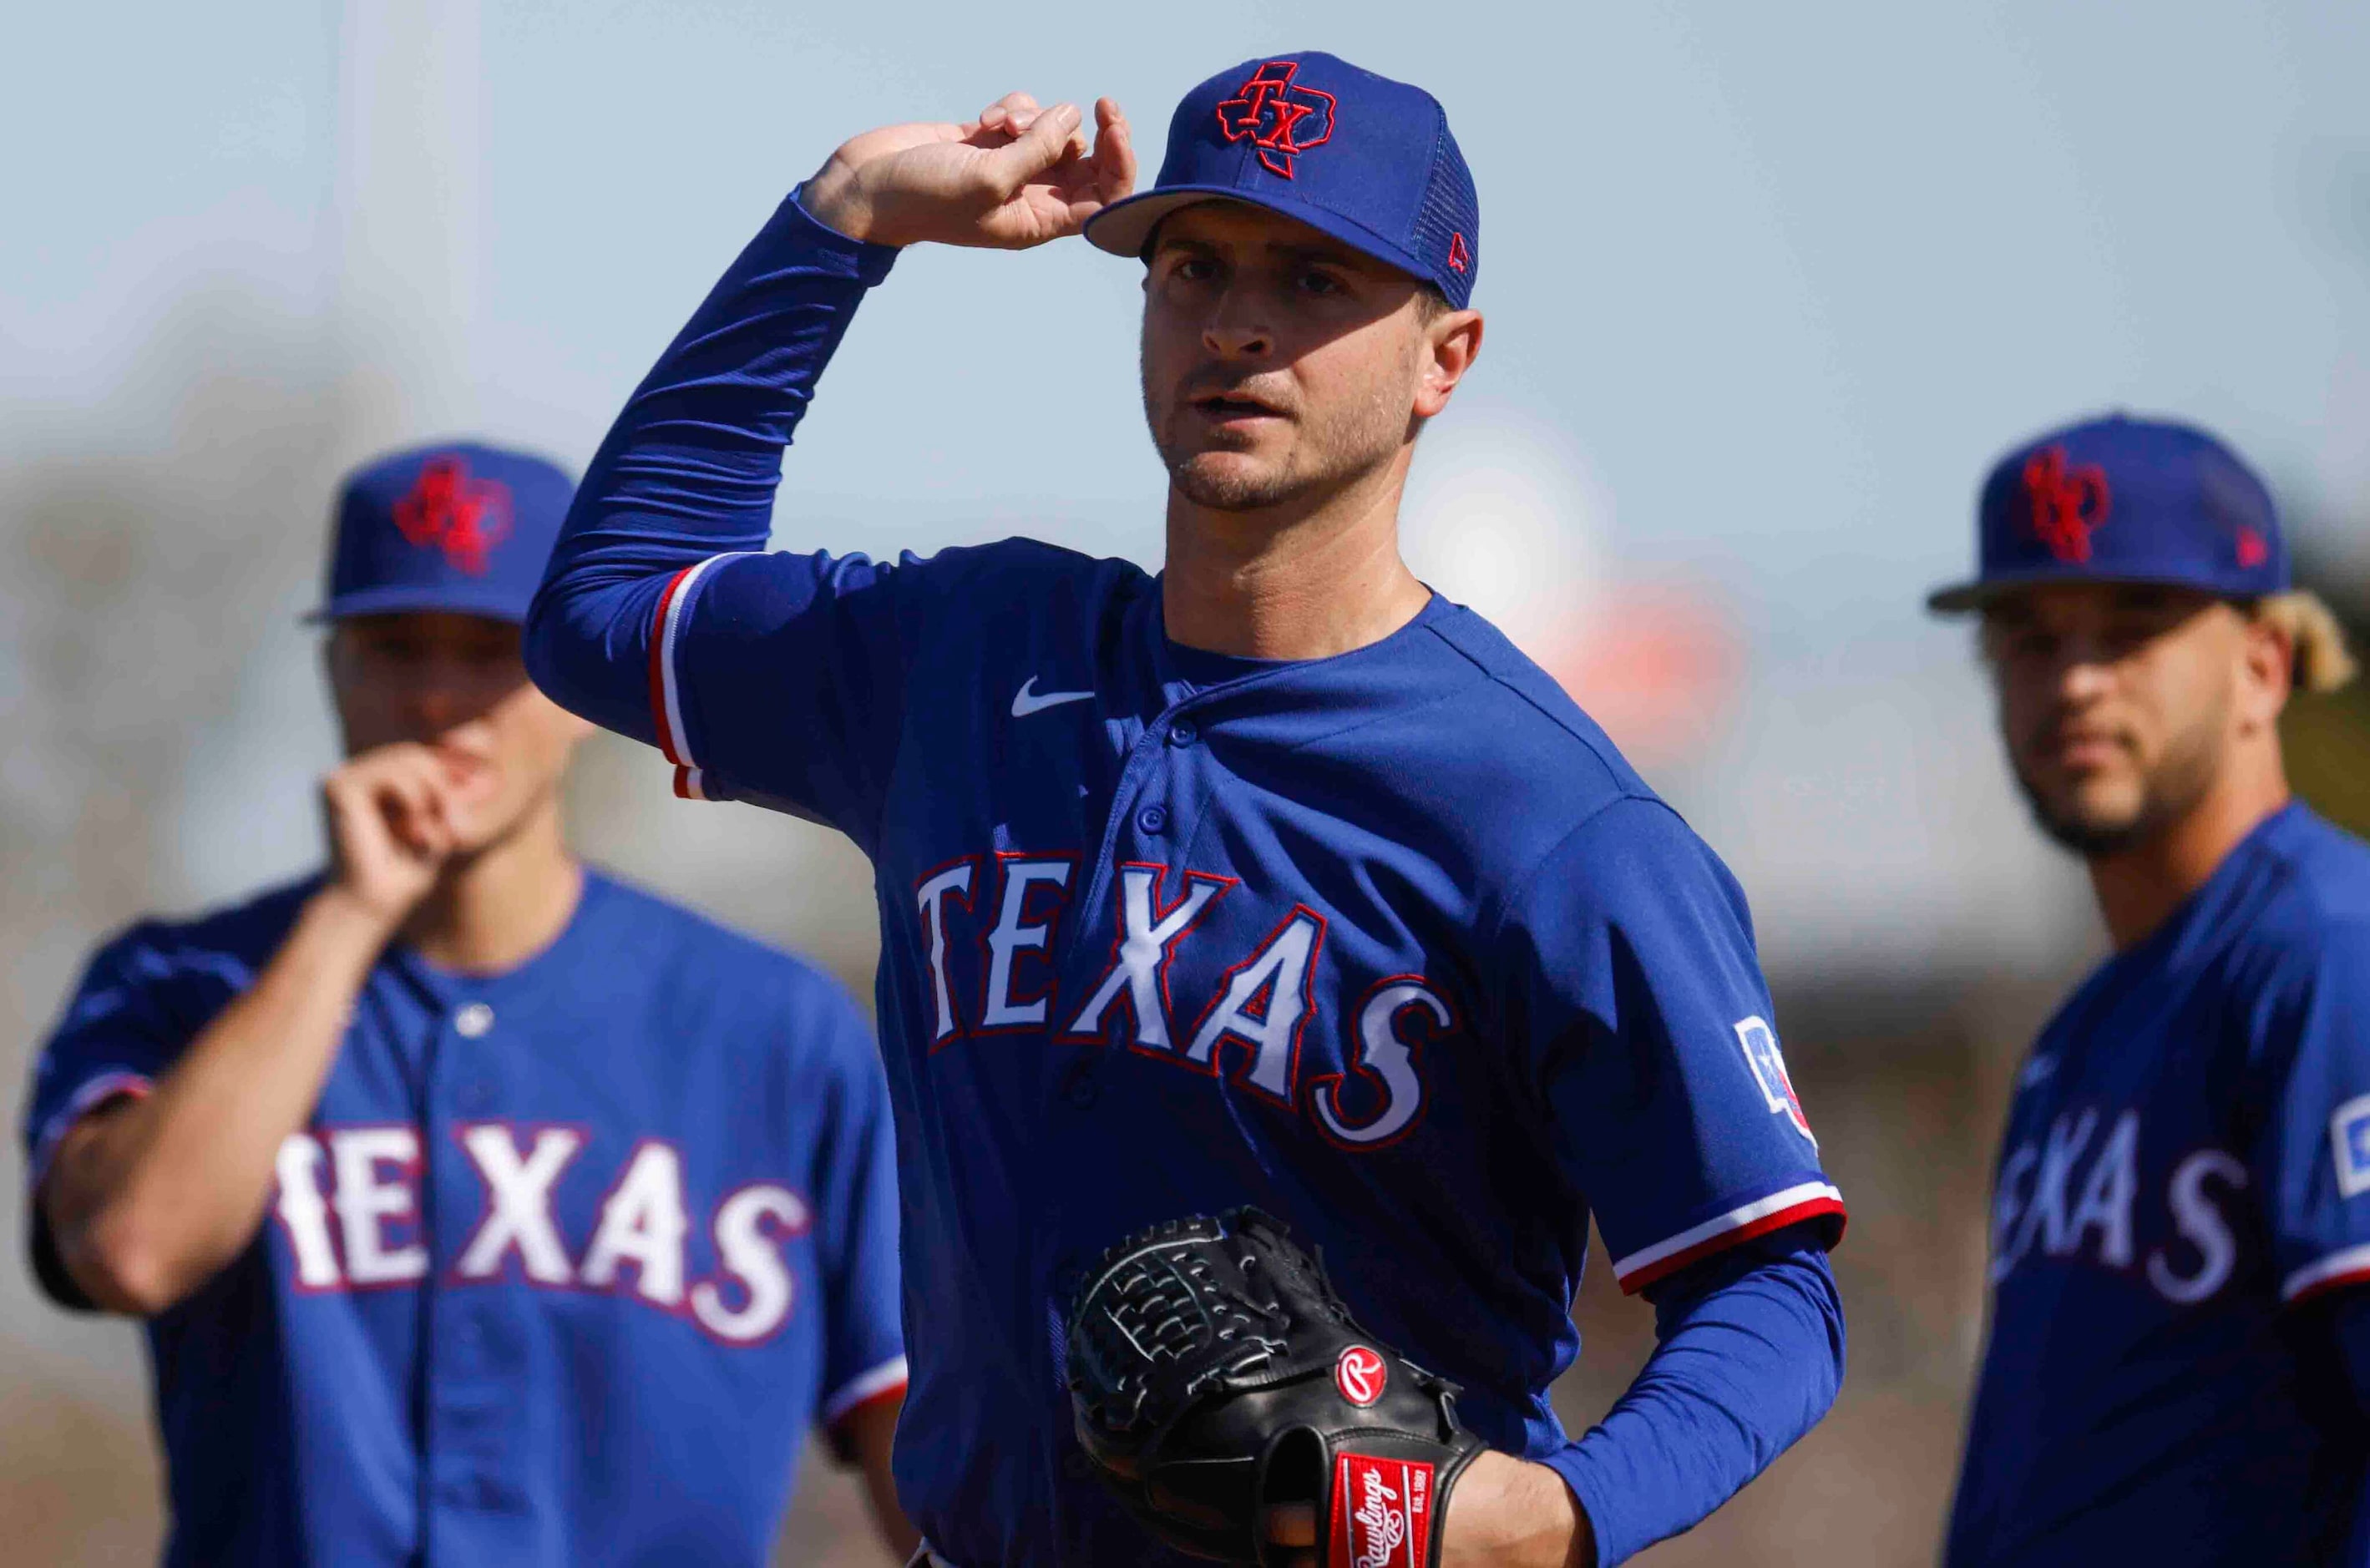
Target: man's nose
column 435, row 705
column 1235, row 333
column 2085, row 673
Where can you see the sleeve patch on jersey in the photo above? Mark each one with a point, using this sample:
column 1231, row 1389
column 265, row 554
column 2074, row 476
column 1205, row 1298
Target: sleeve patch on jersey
column 2349, row 1142
column 1768, row 1064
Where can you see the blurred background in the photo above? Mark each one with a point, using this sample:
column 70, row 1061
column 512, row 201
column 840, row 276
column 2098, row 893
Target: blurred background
column 1768, row 289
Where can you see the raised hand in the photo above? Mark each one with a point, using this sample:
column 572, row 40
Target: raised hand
column 1014, row 178
column 396, row 813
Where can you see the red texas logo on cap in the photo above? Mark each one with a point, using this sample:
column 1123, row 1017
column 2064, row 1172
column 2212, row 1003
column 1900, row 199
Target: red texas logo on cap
column 2067, row 503
column 467, row 517
column 1276, row 116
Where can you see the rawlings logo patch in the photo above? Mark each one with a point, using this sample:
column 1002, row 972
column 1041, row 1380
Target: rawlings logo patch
column 1769, row 1065
column 1359, row 1375
column 1279, row 119
column 2069, row 504
column 465, row 517
column 1382, row 1512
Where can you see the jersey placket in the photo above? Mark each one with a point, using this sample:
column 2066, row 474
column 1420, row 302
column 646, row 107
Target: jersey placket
column 1149, row 816
column 465, row 1439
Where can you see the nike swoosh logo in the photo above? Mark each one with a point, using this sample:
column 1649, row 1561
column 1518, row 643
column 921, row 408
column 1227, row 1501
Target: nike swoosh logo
column 1027, row 701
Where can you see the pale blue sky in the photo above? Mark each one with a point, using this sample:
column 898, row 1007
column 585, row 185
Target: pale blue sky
column 1768, row 285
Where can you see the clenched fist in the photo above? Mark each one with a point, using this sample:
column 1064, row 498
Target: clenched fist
column 396, row 813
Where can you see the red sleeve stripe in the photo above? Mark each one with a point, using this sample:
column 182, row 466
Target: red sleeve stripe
column 688, row 784
column 2350, row 1267
column 666, row 629
column 100, row 1091
column 1758, row 1217
column 885, row 1381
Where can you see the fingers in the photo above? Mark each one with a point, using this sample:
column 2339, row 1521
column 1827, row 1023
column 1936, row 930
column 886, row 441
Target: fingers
column 412, row 804
column 407, row 791
column 1051, row 137
column 1000, row 115
column 1292, row 1524
column 1114, row 154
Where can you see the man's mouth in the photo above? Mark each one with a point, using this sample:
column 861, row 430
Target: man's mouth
column 2082, row 751
column 1234, row 405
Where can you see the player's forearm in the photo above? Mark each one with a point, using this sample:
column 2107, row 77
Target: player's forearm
column 149, row 1200
column 690, row 467
column 871, row 1431
column 1744, row 1366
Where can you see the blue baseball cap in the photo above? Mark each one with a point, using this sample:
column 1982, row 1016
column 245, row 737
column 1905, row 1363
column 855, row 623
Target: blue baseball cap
column 1365, row 159
column 2121, row 499
column 455, row 526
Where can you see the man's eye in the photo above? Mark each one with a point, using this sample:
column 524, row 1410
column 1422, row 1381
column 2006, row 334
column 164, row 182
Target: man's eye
column 1320, row 284
column 1196, row 269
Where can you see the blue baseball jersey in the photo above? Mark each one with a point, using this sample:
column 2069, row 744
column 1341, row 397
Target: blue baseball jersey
column 2186, row 1169
column 561, row 1267
column 1394, row 944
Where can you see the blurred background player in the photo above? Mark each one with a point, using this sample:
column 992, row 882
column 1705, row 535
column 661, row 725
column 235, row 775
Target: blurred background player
column 481, row 1208
column 2178, row 1364
column 1274, row 879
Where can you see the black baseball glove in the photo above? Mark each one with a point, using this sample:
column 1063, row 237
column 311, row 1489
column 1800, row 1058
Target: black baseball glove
column 1215, row 1374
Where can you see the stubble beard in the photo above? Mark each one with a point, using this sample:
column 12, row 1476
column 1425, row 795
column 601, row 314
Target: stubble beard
column 1329, row 454
column 2169, row 793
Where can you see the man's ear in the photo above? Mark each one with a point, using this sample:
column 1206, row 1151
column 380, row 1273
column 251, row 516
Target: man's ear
column 2267, row 669
column 1451, row 342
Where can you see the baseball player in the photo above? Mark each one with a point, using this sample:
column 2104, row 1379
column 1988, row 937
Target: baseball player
column 2179, row 1350
column 1274, row 879
column 481, row 1208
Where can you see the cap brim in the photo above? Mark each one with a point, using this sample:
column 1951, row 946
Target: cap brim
column 399, row 597
column 1959, row 599
column 1123, row 227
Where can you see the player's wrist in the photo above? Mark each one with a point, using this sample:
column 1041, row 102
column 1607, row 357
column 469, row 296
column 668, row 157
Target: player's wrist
column 835, row 198
column 345, row 915
column 1508, row 1511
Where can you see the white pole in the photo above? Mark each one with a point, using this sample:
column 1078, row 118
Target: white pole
column 408, row 219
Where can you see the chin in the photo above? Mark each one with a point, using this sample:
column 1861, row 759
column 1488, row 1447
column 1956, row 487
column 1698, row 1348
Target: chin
column 2090, row 820
column 1231, row 481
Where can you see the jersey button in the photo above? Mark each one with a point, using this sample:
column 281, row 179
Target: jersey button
column 1153, row 819
column 1183, row 733
column 473, row 1021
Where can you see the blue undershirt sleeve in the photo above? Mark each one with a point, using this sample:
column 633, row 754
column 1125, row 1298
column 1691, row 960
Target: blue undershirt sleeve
column 1749, row 1355
column 2349, row 1326
column 777, row 677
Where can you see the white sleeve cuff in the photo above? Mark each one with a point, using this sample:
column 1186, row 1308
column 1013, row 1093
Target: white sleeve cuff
column 887, row 1378
column 666, row 693
column 89, row 1097
column 2348, row 1266
column 1760, row 1217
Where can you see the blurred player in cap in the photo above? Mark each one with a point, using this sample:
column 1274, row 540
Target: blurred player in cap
column 1274, row 879
column 481, row 1208
column 2179, row 1366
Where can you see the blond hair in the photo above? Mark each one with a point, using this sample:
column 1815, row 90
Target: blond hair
column 2321, row 661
